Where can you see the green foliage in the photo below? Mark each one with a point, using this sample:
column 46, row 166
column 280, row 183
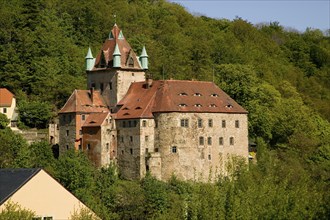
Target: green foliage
column 35, row 114
column 14, row 211
column 4, row 121
column 83, row 214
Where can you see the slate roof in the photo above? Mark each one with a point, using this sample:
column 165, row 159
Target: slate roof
column 124, row 48
column 83, row 102
column 6, row 97
column 95, row 119
column 142, row 101
column 12, row 180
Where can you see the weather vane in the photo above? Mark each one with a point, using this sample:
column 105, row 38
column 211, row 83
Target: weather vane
column 115, row 18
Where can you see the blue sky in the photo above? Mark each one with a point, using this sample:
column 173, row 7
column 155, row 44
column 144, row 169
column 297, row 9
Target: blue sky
column 297, row 14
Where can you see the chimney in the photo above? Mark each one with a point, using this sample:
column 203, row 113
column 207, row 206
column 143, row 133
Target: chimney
column 92, row 94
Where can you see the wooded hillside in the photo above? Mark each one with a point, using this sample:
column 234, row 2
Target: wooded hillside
column 281, row 77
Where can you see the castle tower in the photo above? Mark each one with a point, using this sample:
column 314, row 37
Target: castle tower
column 115, row 68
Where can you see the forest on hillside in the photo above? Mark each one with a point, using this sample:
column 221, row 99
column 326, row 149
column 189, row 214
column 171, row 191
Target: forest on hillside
column 281, row 76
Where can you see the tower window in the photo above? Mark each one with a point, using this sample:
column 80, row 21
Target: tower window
column 231, row 141
column 174, row 149
column 131, row 150
column 110, row 85
column 144, row 123
column 223, row 123
column 67, row 132
column 200, row 123
column 209, row 140
column 209, row 157
column 83, row 117
column 184, row 122
column 210, row 123
column 220, row 140
column 101, row 87
column 237, row 124
column 201, row 140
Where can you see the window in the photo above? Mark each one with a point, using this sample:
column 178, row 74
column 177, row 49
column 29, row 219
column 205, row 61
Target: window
column 131, row 138
column 214, row 95
column 4, row 110
column 110, row 85
column 184, row 122
column 198, row 105
column 209, row 156
column 124, row 124
column 129, row 124
column 237, row 124
column 220, row 140
column 182, row 105
column 80, row 132
column 122, row 139
column 48, row 218
column 67, row 132
column 183, row 94
column 80, row 148
column 231, row 141
column 93, row 85
column 200, row 123
column 156, row 149
column 201, row 140
column 67, row 147
column 210, row 123
column 131, row 62
column 213, row 105
column 223, row 123
column 147, row 150
column 174, row 150
column 197, row 94
column 107, row 146
column 88, row 146
column 131, row 150
column 83, row 117
column 144, row 123
column 146, row 138
column 132, row 74
column 209, row 140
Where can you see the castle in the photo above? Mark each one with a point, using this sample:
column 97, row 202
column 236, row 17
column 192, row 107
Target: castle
column 166, row 127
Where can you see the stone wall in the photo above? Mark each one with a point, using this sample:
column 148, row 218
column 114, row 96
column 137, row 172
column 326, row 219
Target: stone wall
column 180, row 149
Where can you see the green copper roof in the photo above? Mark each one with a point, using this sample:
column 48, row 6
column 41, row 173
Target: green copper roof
column 116, row 51
column 89, row 54
column 120, row 35
column 144, row 52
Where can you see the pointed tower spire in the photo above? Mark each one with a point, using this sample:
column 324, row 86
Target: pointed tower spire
column 116, row 56
column 144, row 58
column 90, row 60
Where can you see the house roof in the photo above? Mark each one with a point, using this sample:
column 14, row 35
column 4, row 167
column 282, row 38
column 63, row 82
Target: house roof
column 6, row 97
column 116, row 37
column 12, row 180
column 85, row 101
column 95, row 119
column 142, row 101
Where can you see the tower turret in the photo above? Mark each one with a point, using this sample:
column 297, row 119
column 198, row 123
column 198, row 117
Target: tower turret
column 90, row 60
column 116, row 57
column 144, row 58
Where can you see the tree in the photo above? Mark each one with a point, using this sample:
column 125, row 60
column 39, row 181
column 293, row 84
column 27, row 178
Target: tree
column 4, row 121
column 15, row 211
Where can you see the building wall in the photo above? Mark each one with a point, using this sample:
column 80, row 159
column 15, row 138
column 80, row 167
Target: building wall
column 67, row 131
column 9, row 112
column 192, row 160
column 113, row 83
column 45, row 196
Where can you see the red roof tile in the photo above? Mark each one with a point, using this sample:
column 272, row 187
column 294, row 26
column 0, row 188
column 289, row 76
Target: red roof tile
column 175, row 96
column 6, row 97
column 95, row 119
column 124, row 48
column 82, row 101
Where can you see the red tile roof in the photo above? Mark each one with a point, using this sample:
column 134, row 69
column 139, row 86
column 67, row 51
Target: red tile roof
column 175, row 96
column 95, row 119
column 124, row 48
column 83, row 101
column 6, row 97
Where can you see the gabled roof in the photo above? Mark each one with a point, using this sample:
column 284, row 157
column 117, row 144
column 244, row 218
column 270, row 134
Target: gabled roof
column 96, row 119
column 116, row 37
column 6, row 97
column 142, row 101
column 85, row 101
column 12, row 180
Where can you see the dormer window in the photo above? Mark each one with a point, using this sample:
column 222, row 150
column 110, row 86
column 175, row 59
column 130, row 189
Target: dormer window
column 197, row 94
column 183, row 94
column 138, row 108
column 229, row 106
column 125, row 108
column 212, row 105
column 126, row 113
column 131, row 62
column 198, row 105
column 182, row 105
column 214, row 95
